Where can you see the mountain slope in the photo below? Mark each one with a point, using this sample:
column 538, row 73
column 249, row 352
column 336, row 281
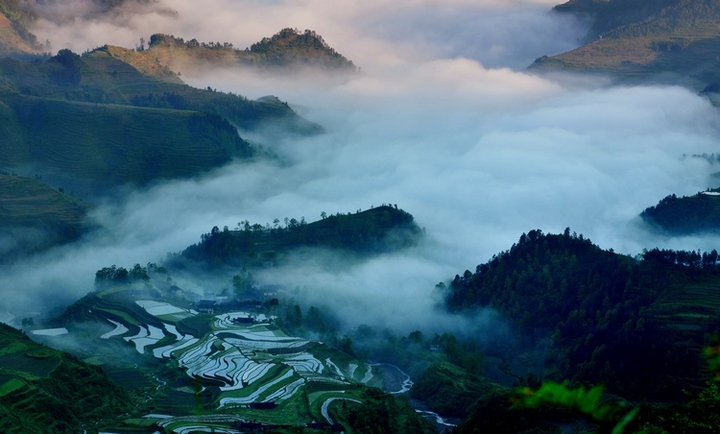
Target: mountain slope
column 286, row 51
column 642, row 38
column 34, row 216
column 104, row 123
column 636, row 326
column 228, row 370
column 15, row 38
column 698, row 213
column 45, row 390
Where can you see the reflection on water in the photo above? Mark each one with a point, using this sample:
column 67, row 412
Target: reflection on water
column 396, row 381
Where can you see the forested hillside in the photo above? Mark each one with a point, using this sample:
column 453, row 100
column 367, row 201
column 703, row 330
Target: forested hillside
column 686, row 215
column 635, row 325
column 375, row 230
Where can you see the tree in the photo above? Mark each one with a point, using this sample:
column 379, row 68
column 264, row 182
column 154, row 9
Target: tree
column 243, row 283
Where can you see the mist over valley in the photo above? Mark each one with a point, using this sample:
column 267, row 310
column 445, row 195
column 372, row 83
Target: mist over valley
column 532, row 179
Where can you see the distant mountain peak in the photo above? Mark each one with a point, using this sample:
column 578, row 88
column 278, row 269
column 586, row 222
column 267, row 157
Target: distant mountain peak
column 642, row 38
column 291, row 45
column 15, row 38
column 287, row 49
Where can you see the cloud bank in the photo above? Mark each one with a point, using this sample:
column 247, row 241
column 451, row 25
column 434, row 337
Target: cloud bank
column 440, row 122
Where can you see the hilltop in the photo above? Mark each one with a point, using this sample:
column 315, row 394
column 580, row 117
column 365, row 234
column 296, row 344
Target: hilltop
column 635, row 325
column 380, row 229
column 699, row 213
column 642, row 39
column 286, row 51
column 585, row 316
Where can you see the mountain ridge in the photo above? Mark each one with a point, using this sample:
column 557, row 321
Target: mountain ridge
column 644, row 39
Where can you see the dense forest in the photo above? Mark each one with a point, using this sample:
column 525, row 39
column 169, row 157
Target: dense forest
column 375, row 230
column 687, row 214
column 610, row 318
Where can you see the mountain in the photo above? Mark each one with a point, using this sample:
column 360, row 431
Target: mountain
column 385, row 228
column 15, row 38
column 286, row 51
column 105, row 124
column 45, row 390
column 641, row 39
column 34, row 216
column 637, row 326
column 699, row 213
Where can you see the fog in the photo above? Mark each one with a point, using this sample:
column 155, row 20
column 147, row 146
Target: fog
column 441, row 120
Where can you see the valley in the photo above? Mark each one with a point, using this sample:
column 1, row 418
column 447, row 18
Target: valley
column 202, row 370
column 196, row 237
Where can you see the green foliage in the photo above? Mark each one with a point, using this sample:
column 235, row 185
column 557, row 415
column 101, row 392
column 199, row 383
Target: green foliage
column 712, row 353
column 685, row 215
column 450, row 390
column 611, row 319
column 115, row 275
column 376, row 230
column 381, row 413
column 37, row 216
column 586, row 401
column 64, row 398
column 243, row 284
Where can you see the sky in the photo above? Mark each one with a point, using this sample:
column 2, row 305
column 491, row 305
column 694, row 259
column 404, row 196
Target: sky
column 443, row 120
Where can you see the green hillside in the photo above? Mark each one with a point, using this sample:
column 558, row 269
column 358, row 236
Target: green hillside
column 637, row 39
column 15, row 38
column 636, row 326
column 94, row 122
column 385, row 228
column 44, row 390
column 34, row 216
column 452, row 391
column 221, row 370
column 686, row 215
column 92, row 147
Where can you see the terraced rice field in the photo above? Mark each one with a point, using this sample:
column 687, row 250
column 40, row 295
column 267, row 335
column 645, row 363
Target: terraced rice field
column 242, row 364
column 691, row 307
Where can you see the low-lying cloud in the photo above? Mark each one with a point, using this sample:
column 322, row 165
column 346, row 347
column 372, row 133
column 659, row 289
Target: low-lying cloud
column 477, row 153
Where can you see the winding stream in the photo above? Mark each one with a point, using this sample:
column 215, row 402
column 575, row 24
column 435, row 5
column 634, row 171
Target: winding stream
column 396, row 381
